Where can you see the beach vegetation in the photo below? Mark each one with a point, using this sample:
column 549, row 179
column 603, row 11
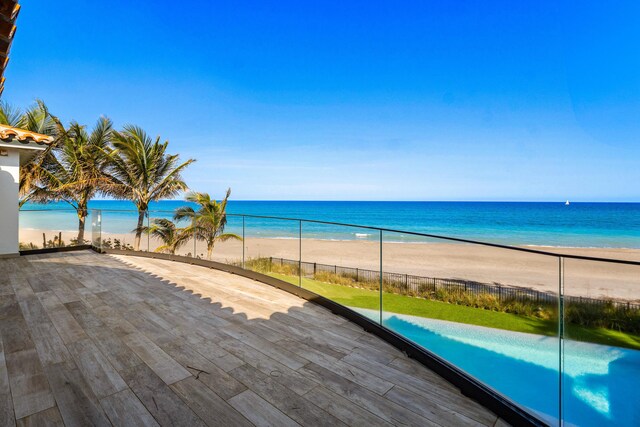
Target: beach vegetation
column 208, row 220
column 171, row 236
column 600, row 323
column 434, row 309
column 142, row 171
column 116, row 244
column 27, row 246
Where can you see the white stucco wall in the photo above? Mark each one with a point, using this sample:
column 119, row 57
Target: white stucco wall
column 9, row 182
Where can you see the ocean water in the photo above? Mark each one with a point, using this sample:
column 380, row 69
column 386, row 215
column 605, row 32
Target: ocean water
column 599, row 383
column 610, row 225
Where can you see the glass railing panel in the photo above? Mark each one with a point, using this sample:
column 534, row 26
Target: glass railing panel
column 272, row 246
column 95, row 216
column 225, row 242
column 49, row 228
column 491, row 312
column 163, row 233
column 119, row 230
column 601, row 357
column 343, row 264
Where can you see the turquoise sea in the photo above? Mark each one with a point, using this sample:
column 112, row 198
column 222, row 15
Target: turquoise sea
column 614, row 225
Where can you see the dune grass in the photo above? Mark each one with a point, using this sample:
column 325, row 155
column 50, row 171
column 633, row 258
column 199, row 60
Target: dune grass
column 401, row 304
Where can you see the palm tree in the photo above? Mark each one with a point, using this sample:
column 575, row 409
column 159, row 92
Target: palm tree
column 36, row 119
column 143, row 172
column 208, row 221
column 76, row 171
column 167, row 232
column 10, row 115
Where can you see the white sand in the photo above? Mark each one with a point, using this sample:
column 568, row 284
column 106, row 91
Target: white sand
column 444, row 260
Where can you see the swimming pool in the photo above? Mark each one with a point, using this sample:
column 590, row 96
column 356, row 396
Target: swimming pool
column 601, row 384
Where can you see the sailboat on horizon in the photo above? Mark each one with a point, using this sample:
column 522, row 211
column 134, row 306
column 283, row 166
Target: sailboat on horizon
column 567, row 203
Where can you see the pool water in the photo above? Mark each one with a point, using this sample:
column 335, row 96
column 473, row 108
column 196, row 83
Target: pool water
column 600, row 384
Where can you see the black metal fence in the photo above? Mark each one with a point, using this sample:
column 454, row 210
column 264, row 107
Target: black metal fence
column 408, row 284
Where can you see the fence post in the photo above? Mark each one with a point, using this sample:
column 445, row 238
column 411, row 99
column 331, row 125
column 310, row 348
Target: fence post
column 357, row 274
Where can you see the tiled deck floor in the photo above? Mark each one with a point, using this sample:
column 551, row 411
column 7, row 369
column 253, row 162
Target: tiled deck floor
column 97, row 339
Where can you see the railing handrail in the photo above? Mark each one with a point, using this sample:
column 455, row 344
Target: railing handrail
column 391, row 230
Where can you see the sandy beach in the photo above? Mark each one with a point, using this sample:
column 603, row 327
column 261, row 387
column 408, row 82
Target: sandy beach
column 443, row 260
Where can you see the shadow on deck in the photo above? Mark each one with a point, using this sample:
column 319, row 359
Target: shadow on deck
column 115, row 340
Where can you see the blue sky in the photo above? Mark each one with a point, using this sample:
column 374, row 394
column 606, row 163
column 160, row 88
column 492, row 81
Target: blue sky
column 335, row 100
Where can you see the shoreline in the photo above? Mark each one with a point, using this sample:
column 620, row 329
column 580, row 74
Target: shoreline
column 73, row 232
column 460, row 261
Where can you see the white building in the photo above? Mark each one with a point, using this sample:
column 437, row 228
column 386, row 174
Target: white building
column 17, row 147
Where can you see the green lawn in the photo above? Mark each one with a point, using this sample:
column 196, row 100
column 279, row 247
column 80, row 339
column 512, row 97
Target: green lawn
column 362, row 298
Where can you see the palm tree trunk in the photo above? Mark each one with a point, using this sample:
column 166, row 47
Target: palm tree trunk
column 82, row 217
column 136, row 242
column 81, row 221
column 209, row 251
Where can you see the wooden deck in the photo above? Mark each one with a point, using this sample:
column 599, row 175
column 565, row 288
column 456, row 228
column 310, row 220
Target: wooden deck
column 88, row 339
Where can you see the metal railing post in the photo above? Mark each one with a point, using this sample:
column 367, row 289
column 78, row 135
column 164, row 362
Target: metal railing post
column 300, row 254
column 380, row 277
column 195, row 242
column 243, row 242
column 560, row 335
column 148, row 234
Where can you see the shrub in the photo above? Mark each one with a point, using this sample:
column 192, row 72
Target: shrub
column 590, row 314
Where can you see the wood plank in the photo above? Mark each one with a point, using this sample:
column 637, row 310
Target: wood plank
column 208, row 405
column 64, row 293
column 211, row 350
column 383, row 408
column 114, row 321
column 294, row 406
column 260, row 412
column 124, row 408
column 115, row 350
column 76, row 401
column 276, row 370
column 37, row 283
column 160, row 362
column 165, row 406
column 276, row 352
column 446, row 397
column 13, row 328
column 29, row 386
column 352, row 372
column 343, row 409
column 70, row 331
column 96, row 369
column 21, row 288
column 205, row 371
column 47, row 418
column 6, row 403
column 49, row 345
column 430, row 410
column 84, row 315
